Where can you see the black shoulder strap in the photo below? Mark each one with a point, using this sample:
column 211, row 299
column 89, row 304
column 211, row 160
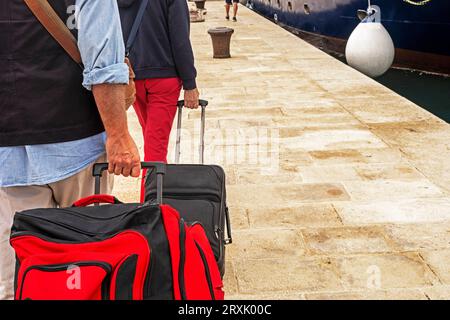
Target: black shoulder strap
column 135, row 27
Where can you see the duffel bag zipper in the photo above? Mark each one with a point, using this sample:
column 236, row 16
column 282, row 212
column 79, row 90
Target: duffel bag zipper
column 116, row 272
column 182, row 259
column 219, row 235
column 204, row 197
column 81, row 215
column 207, row 271
column 61, row 267
column 217, row 230
column 66, row 226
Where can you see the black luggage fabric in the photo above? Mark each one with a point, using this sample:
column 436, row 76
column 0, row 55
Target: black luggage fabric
column 198, row 192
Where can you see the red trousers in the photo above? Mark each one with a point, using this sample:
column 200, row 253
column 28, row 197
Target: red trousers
column 156, row 107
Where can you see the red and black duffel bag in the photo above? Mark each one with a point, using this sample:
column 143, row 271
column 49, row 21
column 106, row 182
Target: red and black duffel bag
column 113, row 252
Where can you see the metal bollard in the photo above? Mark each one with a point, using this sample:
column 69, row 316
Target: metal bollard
column 221, row 39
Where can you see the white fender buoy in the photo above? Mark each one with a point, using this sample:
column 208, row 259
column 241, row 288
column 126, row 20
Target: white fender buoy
column 370, row 48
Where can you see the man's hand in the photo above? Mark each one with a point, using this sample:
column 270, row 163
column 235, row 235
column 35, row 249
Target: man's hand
column 123, row 156
column 191, row 98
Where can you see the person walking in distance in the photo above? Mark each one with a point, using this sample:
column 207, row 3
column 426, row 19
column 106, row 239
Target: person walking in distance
column 163, row 61
column 228, row 4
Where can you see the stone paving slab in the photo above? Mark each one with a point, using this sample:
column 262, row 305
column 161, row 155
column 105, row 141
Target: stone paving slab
column 280, row 193
column 263, row 243
column 338, row 188
column 384, row 271
column 427, row 237
column 393, row 294
column 288, row 274
column 438, row 262
column 395, row 211
column 437, row 293
column 346, row 240
column 300, row 216
column 352, row 156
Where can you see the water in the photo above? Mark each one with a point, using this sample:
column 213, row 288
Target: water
column 431, row 92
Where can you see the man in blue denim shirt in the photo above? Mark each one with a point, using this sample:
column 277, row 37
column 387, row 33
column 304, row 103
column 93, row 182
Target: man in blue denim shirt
column 57, row 174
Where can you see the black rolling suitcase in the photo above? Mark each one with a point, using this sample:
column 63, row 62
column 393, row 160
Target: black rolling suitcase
column 198, row 192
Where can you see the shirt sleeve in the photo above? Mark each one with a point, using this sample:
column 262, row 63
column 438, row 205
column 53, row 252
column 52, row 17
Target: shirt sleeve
column 100, row 42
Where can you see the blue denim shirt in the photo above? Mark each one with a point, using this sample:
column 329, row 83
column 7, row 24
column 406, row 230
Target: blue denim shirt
column 101, row 45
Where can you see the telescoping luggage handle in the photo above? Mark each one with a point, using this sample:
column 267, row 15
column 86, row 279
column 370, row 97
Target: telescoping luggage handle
column 160, row 172
column 203, row 105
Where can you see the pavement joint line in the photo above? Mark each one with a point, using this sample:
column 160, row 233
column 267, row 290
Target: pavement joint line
column 430, row 267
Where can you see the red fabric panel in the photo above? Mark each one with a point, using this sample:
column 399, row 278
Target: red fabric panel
column 71, row 257
column 47, row 285
column 199, row 235
column 110, row 250
column 195, row 281
column 42, row 285
column 196, row 284
column 171, row 220
column 96, row 198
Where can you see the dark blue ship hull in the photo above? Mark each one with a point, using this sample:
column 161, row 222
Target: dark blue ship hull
column 420, row 29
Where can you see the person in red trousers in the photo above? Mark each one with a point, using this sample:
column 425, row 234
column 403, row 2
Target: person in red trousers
column 163, row 61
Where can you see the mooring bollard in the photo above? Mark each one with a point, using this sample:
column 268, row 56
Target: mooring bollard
column 221, row 39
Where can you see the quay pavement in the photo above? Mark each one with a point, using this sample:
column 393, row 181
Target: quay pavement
column 338, row 188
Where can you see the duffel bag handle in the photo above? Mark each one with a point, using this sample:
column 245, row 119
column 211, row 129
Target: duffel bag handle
column 96, row 199
column 160, row 172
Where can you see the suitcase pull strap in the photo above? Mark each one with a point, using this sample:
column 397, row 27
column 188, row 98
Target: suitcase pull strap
column 229, row 239
column 96, row 198
column 203, row 105
column 160, row 172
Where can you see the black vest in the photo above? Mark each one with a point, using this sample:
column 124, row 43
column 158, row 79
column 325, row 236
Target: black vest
column 42, row 99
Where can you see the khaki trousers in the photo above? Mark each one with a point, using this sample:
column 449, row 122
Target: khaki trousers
column 59, row 194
